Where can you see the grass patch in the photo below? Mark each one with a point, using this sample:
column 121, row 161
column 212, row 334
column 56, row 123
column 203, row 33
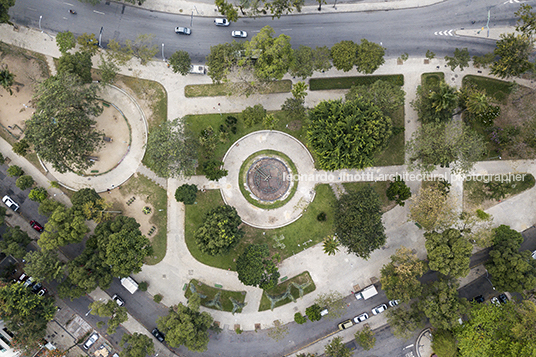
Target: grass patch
column 379, row 186
column 302, row 234
column 157, row 197
column 478, row 191
column 393, row 154
column 199, row 122
column 242, row 176
column 210, row 292
column 499, row 90
column 227, row 89
column 348, row 82
column 432, row 79
column 282, row 288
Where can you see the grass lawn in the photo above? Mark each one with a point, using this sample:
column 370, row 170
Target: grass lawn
column 282, row 288
column 221, row 89
column 393, row 154
column 199, row 122
column 157, row 197
column 379, row 186
column 495, row 88
column 432, row 78
column 298, row 236
column 348, row 82
column 211, row 292
column 478, row 191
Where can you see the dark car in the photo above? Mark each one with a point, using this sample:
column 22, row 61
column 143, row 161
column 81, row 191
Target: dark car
column 480, row 299
column 183, row 30
column 35, row 225
column 159, row 335
column 37, row 287
column 503, row 298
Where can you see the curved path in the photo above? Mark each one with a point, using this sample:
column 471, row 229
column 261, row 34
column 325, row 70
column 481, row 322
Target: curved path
column 132, row 159
column 267, row 140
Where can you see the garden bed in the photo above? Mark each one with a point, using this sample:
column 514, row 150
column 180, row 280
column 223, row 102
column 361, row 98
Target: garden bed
column 216, row 298
column 227, row 89
column 348, row 82
column 287, row 291
column 482, row 195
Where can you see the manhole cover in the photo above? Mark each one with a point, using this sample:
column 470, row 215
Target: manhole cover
column 268, row 179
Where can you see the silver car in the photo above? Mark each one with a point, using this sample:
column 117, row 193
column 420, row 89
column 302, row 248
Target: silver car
column 10, row 203
column 361, row 318
column 239, row 34
column 183, row 30
column 379, row 309
column 91, row 340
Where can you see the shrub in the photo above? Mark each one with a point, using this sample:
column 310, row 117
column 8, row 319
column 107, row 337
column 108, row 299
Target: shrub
column 38, row 194
column 143, row 286
column 398, row 191
column 212, row 170
column 157, row 298
column 299, row 318
column 321, row 217
column 14, row 171
column 24, row 182
column 2, row 159
column 253, row 115
column 186, row 194
column 54, row 184
column 313, row 312
column 21, row 147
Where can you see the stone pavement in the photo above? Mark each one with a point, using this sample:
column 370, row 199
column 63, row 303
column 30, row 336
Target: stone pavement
column 178, row 267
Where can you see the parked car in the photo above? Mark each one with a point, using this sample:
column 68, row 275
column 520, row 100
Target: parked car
column 345, row 324
column 8, row 201
column 159, row 335
column 91, row 340
column 360, row 318
column 183, row 30
column 37, row 287
column 480, row 299
column 393, row 303
column 42, row 292
column 503, row 298
column 118, row 300
column 379, row 309
column 239, row 34
column 29, row 282
column 22, row 277
column 36, row 226
column 221, row 22
column 534, row 255
column 324, row 312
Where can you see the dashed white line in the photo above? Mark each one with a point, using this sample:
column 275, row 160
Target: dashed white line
column 98, row 12
column 286, row 29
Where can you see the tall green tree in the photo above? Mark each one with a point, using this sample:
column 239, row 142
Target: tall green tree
column 26, row 315
column 344, row 55
column 274, row 54
column 136, row 345
column 511, row 270
column 432, row 208
column 442, row 305
column 226, row 9
column 24, row 182
column 321, row 59
column 369, row 56
column 6, row 77
column 171, row 150
column 78, row 64
column 365, row 338
column 461, row 59
column 359, row 224
column 108, row 70
column 336, row 348
column 62, row 127
column 348, row 134
column 506, row 331
column 449, row 252
column 117, row 314
column 255, row 268
column 282, row 7
column 14, row 242
column 142, row 47
column 4, row 8
column 444, row 343
column 64, row 226
column 526, row 22
column 185, row 325
column 398, row 191
column 302, row 66
column 435, row 102
column 186, row 194
column 83, row 196
column 222, row 59
column 180, row 62
column 404, row 321
column 65, row 41
column 400, row 277
column 513, row 52
column 43, row 265
column 330, row 245
column 219, row 231
column 88, row 43
column 388, row 96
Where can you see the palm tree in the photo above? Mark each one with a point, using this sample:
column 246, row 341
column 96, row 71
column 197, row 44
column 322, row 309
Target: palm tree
column 477, row 102
column 331, row 245
column 7, row 79
column 444, row 98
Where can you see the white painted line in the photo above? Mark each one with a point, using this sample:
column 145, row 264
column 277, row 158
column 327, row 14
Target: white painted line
column 32, row 9
column 409, row 346
column 66, row 3
column 286, row 29
column 435, row 33
column 98, row 12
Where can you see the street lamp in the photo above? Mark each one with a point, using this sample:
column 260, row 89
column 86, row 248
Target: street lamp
column 489, row 280
column 163, row 58
column 40, row 29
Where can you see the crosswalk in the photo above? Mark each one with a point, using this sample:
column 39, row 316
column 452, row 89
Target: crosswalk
column 445, row 33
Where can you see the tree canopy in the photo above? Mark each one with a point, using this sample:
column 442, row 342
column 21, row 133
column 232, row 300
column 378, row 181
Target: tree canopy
column 136, row 345
column 432, row 208
column 64, row 226
column 442, row 305
column 348, row 134
column 219, row 232
column 336, row 348
column 117, row 314
column 43, row 265
column 180, row 62
column 65, row 41
column 62, row 127
column 435, row 102
column 78, row 64
column 359, row 224
column 400, row 277
column 506, row 330
column 185, row 325
column 25, row 314
column 369, row 56
column 405, row 320
column 7, row 79
column 254, row 267
column 4, row 8
column 386, row 95
column 221, row 60
column 14, row 242
column 344, row 55
column 449, row 252
column 513, row 51
column 186, row 194
column 171, row 150
column 511, row 270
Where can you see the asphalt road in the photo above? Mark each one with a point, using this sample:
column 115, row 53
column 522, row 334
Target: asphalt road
column 400, row 31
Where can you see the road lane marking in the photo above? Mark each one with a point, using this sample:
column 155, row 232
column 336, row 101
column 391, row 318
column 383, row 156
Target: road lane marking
column 286, row 29
column 98, row 12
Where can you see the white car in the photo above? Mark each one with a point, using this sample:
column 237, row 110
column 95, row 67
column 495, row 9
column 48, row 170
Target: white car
column 91, row 340
column 118, row 300
column 239, row 34
column 361, row 318
column 183, row 30
column 379, row 309
column 221, row 22
column 534, row 255
column 393, row 303
column 10, row 203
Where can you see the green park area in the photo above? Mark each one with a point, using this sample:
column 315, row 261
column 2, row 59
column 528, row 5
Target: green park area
column 287, row 291
column 215, row 297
